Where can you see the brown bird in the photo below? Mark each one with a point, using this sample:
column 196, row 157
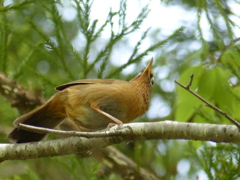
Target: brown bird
column 91, row 104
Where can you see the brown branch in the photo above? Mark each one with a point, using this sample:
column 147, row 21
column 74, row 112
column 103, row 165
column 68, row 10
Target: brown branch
column 190, row 82
column 19, row 98
column 112, row 155
column 236, row 123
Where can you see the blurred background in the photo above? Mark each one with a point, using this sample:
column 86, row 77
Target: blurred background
column 46, row 43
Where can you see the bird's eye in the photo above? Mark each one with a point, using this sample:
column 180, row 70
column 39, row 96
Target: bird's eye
column 152, row 80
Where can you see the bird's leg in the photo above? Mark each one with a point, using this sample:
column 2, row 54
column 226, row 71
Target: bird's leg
column 97, row 108
column 74, row 121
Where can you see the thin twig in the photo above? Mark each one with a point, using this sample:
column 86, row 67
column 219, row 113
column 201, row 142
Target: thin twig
column 42, row 130
column 190, row 82
column 207, row 103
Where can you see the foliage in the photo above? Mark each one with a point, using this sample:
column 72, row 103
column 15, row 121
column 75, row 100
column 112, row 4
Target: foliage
column 219, row 161
column 38, row 50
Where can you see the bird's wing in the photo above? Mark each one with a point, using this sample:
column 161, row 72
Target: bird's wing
column 88, row 81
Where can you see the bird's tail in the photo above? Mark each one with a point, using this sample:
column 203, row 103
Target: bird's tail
column 41, row 117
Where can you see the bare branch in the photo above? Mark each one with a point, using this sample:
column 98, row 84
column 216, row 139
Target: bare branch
column 42, row 130
column 236, row 123
column 119, row 163
column 129, row 132
column 190, row 82
column 19, row 98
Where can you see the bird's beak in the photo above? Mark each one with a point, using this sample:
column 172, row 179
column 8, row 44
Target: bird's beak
column 148, row 68
column 146, row 72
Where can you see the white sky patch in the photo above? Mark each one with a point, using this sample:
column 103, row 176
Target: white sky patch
column 183, row 167
column 167, row 86
column 158, row 108
column 7, row 2
column 202, row 175
column 69, row 13
column 128, row 69
column 234, row 7
column 43, row 67
column 163, row 71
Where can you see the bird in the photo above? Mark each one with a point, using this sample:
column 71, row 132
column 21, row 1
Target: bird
column 90, row 104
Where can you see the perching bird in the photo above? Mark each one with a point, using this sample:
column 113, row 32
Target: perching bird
column 91, row 104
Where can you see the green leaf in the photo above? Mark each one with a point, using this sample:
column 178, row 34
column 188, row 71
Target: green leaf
column 236, row 102
column 207, row 83
column 186, row 108
column 231, row 58
column 186, row 102
column 222, row 96
column 185, row 78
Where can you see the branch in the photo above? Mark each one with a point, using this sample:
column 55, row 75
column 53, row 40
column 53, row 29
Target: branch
column 129, row 169
column 42, row 130
column 129, row 132
column 207, row 103
column 19, row 98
